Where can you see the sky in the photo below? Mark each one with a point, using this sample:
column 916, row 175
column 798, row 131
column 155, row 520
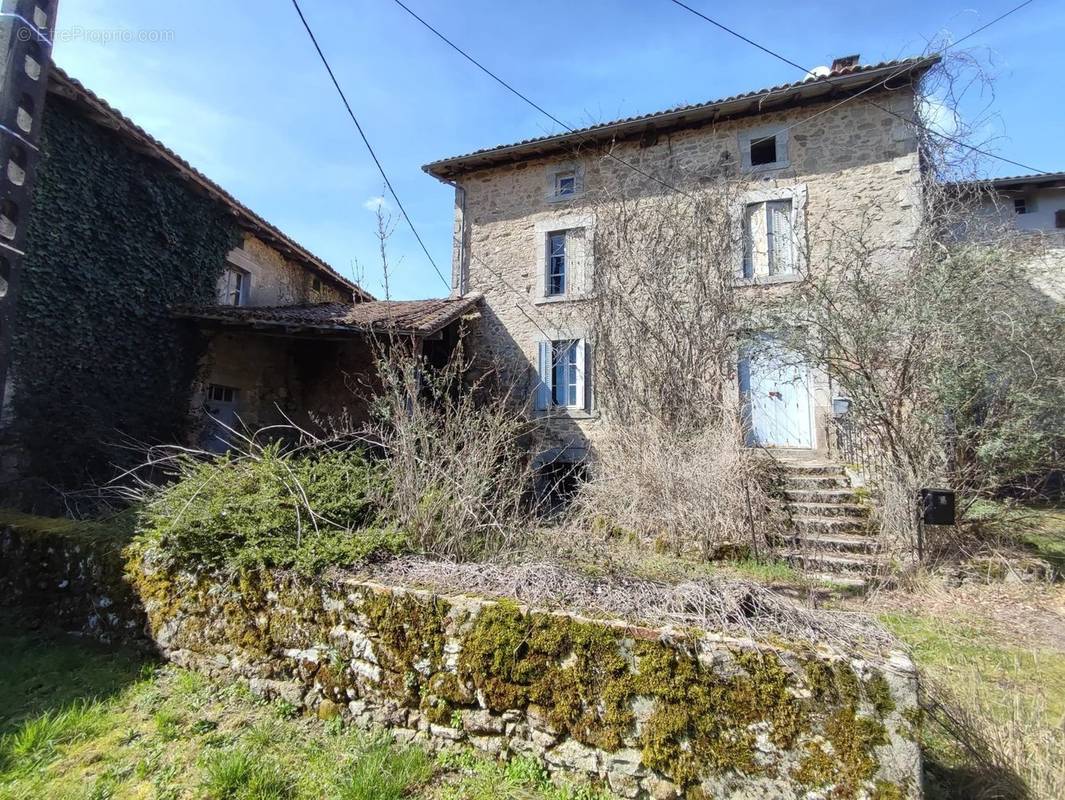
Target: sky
column 235, row 87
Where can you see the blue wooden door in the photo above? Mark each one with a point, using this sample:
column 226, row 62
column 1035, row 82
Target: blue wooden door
column 774, row 383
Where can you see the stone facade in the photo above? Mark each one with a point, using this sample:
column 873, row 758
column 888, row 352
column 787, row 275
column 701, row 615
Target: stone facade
column 852, row 167
column 651, row 712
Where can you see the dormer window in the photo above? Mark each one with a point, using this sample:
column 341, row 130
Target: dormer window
column 233, row 287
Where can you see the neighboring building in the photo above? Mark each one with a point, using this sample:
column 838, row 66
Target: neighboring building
column 153, row 303
column 524, row 227
column 1035, row 205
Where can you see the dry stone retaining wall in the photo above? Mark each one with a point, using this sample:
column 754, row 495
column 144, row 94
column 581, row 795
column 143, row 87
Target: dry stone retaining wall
column 651, row 712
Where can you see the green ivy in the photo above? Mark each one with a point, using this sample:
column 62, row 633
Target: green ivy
column 114, row 239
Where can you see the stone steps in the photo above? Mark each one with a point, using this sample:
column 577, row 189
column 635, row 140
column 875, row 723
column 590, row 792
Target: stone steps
column 829, row 537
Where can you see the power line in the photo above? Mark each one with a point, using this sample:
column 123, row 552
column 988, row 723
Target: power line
column 907, row 67
column 369, row 147
column 532, row 103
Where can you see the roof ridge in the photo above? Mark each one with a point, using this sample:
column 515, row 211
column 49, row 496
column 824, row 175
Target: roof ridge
column 912, row 62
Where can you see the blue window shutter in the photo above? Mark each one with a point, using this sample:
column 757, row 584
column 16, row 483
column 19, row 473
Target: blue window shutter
column 544, row 373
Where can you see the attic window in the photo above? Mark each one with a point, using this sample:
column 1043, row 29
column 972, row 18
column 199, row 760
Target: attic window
column 1020, row 205
column 764, row 151
column 316, row 283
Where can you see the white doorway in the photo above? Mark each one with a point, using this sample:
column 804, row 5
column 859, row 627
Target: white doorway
column 220, row 409
column 775, row 390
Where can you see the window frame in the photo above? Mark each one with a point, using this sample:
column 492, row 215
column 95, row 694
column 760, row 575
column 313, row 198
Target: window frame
column 566, row 175
column 226, row 293
column 556, row 174
column 796, row 195
column 553, row 260
column 1020, row 206
column 577, row 396
column 747, row 138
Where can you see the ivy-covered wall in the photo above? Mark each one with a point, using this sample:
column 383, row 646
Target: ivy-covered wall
column 114, row 238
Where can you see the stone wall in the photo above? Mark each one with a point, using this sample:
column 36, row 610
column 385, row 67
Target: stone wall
column 857, row 165
column 650, row 712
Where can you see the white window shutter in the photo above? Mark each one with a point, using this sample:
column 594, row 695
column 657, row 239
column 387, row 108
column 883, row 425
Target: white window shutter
column 782, row 242
column 544, row 375
column 581, row 347
column 748, row 239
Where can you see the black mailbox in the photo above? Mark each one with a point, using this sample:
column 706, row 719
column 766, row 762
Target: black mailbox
column 937, row 506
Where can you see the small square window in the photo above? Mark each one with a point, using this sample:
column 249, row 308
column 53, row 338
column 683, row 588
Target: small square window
column 316, row 284
column 1020, row 205
column 763, row 151
column 565, row 184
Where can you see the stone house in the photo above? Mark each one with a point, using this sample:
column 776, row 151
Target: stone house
column 835, row 150
column 1035, row 206
column 154, row 305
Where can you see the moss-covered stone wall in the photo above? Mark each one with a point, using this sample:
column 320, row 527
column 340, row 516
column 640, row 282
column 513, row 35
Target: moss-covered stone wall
column 650, row 712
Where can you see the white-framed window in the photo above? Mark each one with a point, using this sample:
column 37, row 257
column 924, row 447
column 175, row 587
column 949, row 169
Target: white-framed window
column 764, row 148
column 564, row 182
column 562, row 375
column 555, row 267
column 233, row 287
column 769, row 242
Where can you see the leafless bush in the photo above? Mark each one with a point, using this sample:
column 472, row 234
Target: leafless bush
column 667, row 320
column 683, row 492
column 456, row 460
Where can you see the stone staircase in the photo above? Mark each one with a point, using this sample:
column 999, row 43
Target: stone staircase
column 829, row 535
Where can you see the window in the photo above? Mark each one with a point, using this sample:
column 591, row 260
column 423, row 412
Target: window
column 562, row 374
column 764, row 151
column 216, row 393
column 565, row 184
column 233, row 287
column 564, row 378
column 768, row 239
column 556, row 264
column 1059, row 218
column 764, row 148
column 1020, row 205
column 316, row 283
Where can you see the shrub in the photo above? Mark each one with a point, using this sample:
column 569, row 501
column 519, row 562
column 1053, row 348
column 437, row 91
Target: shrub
column 268, row 507
column 682, row 493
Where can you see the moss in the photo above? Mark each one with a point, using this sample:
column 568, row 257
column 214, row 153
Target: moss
column 851, row 763
column 410, row 632
column 577, row 671
column 885, row 790
column 701, row 718
column 878, row 692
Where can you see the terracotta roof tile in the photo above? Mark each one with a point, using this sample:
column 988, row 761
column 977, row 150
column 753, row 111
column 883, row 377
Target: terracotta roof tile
column 418, row 317
column 473, row 160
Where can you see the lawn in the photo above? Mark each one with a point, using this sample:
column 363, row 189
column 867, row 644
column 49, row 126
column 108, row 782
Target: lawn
column 85, row 722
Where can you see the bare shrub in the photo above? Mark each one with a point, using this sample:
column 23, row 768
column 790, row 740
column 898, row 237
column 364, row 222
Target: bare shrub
column 455, row 457
column 672, row 467
column 682, row 492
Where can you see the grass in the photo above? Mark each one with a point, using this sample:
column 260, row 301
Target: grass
column 996, row 692
column 84, row 722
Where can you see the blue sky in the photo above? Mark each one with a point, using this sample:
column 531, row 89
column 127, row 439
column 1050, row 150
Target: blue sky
column 235, row 87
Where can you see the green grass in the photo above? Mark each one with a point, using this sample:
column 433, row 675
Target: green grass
column 1004, row 705
column 83, row 722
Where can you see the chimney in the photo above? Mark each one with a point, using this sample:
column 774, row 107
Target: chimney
column 845, row 62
